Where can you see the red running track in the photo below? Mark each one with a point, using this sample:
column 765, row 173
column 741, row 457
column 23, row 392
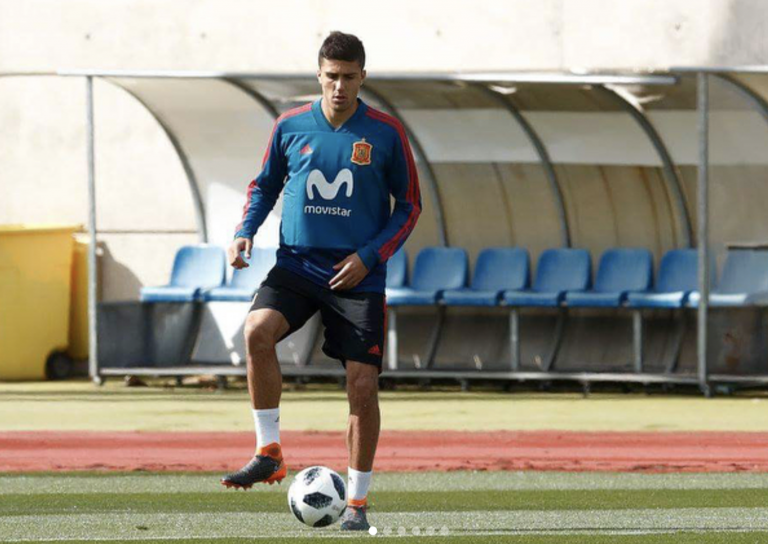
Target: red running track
column 397, row 451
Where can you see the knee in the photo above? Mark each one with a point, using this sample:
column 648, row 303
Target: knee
column 258, row 337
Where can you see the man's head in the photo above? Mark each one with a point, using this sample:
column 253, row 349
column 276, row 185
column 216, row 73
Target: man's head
column 341, row 70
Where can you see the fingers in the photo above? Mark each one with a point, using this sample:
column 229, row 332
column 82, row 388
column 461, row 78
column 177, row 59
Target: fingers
column 231, row 255
column 248, row 247
column 352, row 270
column 348, row 278
column 339, row 278
column 349, row 282
column 341, row 264
column 238, row 262
column 233, row 252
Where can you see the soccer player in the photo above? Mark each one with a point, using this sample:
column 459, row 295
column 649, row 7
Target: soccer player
column 337, row 161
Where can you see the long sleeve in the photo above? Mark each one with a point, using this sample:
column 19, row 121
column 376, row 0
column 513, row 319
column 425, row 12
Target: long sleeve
column 265, row 189
column 404, row 186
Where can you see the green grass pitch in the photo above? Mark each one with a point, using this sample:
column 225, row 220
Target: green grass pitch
column 455, row 507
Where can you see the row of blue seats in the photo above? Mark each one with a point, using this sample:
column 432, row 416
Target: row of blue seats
column 199, row 274
column 501, row 277
column 563, row 278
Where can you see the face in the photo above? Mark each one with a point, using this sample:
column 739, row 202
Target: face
column 340, row 81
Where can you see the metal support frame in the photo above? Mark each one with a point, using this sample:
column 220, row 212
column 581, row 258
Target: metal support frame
column 630, row 104
column 393, row 360
column 541, row 151
column 93, row 338
column 637, row 340
column 514, row 339
column 702, row 104
column 392, row 345
column 259, row 98
column 557, row 340
column 761, row 106
column 434, row 340
column 677, row 346
column 758, row 101
column 450, row 374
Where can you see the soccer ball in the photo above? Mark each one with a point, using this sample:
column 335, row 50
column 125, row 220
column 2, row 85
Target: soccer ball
column 317, row 496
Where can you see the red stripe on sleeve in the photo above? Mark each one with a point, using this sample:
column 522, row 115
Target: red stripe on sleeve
column 254, row 182
column 413, row 192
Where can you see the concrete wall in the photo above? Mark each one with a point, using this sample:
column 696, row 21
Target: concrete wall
column 448, row 36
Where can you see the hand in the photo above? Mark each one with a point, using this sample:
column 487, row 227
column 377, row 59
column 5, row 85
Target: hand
column 238, row 245
column 351, row 272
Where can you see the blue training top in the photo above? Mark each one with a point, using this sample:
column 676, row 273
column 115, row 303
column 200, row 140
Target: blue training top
column 337, row 184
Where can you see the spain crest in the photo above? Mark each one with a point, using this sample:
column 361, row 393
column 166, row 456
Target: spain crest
column 361, row 152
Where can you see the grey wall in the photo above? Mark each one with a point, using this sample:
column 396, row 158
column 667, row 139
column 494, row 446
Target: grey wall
column 399, row 34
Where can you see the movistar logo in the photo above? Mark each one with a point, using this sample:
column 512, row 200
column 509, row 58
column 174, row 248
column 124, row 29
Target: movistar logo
column 328, row 191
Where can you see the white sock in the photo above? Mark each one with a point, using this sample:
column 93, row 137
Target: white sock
column 357, row 484
column 267, row 426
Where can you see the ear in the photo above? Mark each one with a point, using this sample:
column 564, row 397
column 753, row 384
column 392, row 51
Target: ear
column 363, row 76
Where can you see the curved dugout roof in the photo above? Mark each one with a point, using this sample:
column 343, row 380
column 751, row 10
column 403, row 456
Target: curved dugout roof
column 571, row 163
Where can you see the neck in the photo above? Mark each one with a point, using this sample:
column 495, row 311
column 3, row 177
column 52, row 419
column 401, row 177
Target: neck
column 337, row 118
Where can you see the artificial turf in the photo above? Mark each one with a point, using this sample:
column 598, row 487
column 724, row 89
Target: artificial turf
column 457, row 507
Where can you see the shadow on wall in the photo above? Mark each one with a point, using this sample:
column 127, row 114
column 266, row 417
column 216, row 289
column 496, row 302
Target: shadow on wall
column 123, row 283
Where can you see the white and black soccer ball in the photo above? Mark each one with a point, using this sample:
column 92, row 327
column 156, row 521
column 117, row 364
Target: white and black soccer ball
column 317, row 496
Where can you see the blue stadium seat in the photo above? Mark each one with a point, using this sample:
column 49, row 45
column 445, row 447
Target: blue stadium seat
column 744, row 281
column 677, row 279
column 397, row 269
column 436, row 269
column 559, row 270
column 621, row 271
column 245, row 282
column 195, row 268
column 496, row 270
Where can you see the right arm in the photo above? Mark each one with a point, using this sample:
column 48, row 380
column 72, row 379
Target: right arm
column 263, row 193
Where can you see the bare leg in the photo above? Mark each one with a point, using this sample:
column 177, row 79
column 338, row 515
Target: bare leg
column 263, row 329
column 364, row 415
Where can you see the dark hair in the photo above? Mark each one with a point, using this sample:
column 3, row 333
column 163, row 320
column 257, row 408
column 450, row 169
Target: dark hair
column 340, row 46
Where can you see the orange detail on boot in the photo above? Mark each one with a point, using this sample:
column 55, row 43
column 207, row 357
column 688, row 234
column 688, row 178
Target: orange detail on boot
column 358, row 502
column 278, row 476
column 272, row 450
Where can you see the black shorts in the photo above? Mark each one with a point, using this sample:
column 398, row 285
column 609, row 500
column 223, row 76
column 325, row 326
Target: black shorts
column 355, row 323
